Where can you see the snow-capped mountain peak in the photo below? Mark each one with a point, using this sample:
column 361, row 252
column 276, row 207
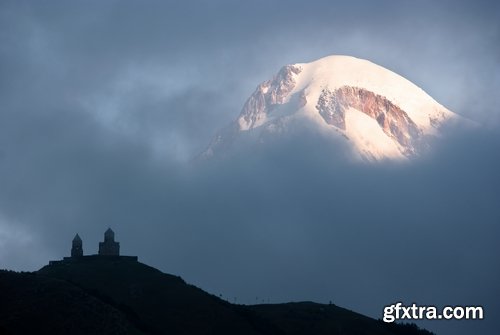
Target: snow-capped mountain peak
column 381, row 114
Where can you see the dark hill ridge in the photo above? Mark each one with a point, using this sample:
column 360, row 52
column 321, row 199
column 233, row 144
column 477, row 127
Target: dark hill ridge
column 165, row 303
column 114, row 295
column 297, row 318
column 34, row 304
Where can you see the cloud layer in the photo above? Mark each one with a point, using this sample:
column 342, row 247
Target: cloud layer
column 103, row 105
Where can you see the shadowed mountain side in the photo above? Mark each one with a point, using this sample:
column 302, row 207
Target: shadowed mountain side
column 301, row 318
column 164, row 302
column 161, row 303
column 34, row 304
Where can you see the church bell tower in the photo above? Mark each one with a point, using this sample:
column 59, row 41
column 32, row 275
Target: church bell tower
column 77, row 248
column 109, row 247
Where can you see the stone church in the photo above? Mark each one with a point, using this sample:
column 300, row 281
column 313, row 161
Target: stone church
column 109, row 248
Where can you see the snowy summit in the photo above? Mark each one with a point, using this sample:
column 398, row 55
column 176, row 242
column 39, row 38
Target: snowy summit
column 381, row 114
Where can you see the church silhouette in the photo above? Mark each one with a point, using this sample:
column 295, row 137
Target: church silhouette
column 109, row 249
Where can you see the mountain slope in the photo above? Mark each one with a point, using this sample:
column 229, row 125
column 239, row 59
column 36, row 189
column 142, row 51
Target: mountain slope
column 380, row 114
column 34, row 304
column 112, row 295
column 301, row 318
column 164, row 302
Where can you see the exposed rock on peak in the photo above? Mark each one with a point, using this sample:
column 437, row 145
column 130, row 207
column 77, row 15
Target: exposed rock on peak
column 266, row 96
column 394, row 122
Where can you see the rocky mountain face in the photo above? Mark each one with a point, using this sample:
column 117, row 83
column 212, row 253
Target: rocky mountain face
column 381, row 114
column 393, row 121
column 267, row 95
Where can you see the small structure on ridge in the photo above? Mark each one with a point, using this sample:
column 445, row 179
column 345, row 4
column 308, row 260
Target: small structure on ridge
column 108, row 250
column 77, row 248
column 109, row 247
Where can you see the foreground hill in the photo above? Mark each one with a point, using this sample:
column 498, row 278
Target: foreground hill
column 34, row 304
column 303, row 318
column 112, row 295
column 160, row 303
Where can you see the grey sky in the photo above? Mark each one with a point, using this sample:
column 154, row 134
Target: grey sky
column 104, row 103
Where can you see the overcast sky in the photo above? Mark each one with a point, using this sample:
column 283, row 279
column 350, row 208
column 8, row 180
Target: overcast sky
column 103, row 105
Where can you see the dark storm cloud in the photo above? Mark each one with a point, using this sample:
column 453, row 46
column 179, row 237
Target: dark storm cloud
column 103, row 105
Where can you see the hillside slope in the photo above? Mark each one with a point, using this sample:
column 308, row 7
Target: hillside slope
column 164, row 302
column 35, row 304
column 113, row 295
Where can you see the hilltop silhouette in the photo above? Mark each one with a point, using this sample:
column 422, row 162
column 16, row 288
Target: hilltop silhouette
column 112, row 294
